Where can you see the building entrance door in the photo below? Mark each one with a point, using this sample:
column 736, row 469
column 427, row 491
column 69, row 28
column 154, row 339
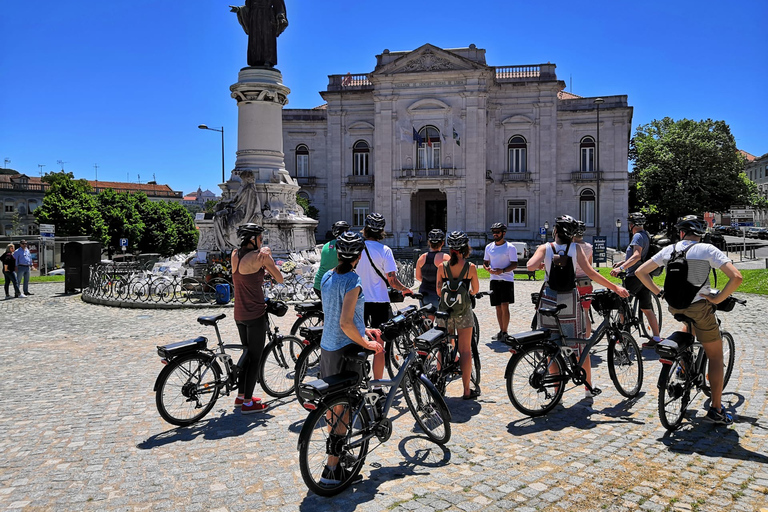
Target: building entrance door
column 435, row 215
column 429, row 210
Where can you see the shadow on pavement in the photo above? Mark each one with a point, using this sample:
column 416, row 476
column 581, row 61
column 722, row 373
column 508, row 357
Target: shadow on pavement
column 420, row 455
column 579, row 415
column 463, row 410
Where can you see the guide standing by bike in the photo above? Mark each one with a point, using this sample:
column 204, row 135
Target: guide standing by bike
column 328, row 259
column 701, row 257
column 248, row 265
column 637, row 252
column 427, row 265
column 500, row 260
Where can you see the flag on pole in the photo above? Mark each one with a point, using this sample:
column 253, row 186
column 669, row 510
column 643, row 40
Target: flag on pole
column 404, row 135
column 417, row 138
column 456, row 137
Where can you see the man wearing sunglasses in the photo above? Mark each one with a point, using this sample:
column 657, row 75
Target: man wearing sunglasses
column 500, row 261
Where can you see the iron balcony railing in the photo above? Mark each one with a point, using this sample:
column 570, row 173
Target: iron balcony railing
column 428, row 173
column 353, row 179
column 516, row 177
column 306, row 181
column 586, row 176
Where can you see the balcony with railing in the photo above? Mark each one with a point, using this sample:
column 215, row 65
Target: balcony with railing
column 306, row 181
column 442, row 173
column 592, row 176
column 349, row 82
column 24, row 187
column 516, row 177
column 360, row 181
column 526, row 73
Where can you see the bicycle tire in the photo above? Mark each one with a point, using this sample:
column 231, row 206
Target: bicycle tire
column 311, row 319
column 674, row 394
column 395, row 352
column 427, row 407
column 642, row 321
column 184, row 392
column 475, row 375
column 729, row 358
column 276, row 368
column 307, row 368
column 433, row 368
column 529, row 375
column 475, row 330
column 314, row 444
column 625, row 365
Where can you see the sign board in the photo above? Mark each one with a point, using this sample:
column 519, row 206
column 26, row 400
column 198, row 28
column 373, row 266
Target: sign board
column 47, row 230
column 746, row 224
column 734, row 224
column 542, row 231
column 123, row 242
column 599, row 253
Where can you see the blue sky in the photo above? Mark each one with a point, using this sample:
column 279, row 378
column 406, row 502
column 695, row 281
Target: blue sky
column 125, row 84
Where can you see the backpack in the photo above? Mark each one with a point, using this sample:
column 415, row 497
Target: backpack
column 454, row 294
column 562, row 275
column 678, row 292
column 653, row 249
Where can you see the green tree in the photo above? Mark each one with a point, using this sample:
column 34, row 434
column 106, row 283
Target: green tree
column 186, row 231
column 686, row 166
column 309, row 210
column 159, row 233
column 121, row 217
column 70, row 205
column 210, row 206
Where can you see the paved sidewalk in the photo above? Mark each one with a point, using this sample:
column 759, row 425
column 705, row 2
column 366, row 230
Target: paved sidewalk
column 79, row 431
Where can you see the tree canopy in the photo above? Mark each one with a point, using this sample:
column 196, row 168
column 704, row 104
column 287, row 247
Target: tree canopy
column 687, row 167
column 70, row 205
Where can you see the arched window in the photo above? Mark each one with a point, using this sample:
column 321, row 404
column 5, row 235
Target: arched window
column 360, row 153
column 587, row 148
column 518, row 154
column 302, row 160
column 587, row 207
column 303, row 195
column 33, row 204
column 429, row 148
column 22, row 207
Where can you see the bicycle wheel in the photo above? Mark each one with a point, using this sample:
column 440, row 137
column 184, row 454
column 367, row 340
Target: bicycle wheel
column 535, row 381
column 674, row 394
column 277, row 369
column 642, row 320
column 625, row 365
column 729, row 357
column 335, row 429
column 475, row 331
column 395, row 352
column 187, row 388
column 307, row 368
column 427, row 407
column 311, row 319
column 433, row 367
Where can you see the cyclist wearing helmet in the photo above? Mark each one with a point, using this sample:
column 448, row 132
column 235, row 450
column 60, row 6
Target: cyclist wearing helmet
column 637, row 251
column 344, row 329
column 248, row 265
column 427, row 265
column 500, row 260
column 377, row 270
column 328, row 258
column 465, row 272
column 583, row 283
column 701, row 258
column 572, row 318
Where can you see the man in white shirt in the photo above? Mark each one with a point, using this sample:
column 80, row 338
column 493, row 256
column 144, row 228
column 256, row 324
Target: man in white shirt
column 500, row 261
column 701, row 258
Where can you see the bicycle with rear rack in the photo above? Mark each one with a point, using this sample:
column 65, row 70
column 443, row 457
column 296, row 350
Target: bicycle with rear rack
column 310, row 314
column 685, row 367
column 347, row 412
column 195, row 375
column 543, row 362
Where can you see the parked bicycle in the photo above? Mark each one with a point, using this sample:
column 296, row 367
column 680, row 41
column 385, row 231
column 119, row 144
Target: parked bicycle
column 542, row 361
column 194, row 375
column 685, row 367
column 636, row 318
column 310, row 314
column 347, row 413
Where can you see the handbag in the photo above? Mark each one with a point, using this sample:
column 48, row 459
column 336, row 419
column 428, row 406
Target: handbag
column 394, row 295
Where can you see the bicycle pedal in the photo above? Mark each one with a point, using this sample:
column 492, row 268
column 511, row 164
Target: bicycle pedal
column 596, row 391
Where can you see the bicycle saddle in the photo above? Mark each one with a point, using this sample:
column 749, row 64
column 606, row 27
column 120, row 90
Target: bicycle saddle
column 210, row 320
column 552, row 311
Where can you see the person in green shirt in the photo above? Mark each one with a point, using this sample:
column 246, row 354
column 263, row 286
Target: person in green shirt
column 328, row 259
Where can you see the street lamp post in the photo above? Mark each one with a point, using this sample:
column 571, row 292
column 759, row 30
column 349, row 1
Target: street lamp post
column 205, row 127
column 618, row 234
column 598, row 102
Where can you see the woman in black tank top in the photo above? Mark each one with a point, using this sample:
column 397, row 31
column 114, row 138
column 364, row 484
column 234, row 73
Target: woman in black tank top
column 426, row 268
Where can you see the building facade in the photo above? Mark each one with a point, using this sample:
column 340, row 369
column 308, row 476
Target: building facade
column 436, row 138
column 756, row 169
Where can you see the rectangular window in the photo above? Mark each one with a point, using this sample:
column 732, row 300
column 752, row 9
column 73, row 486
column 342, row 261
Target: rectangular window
column 516, row 213
column 360, row 210
column 587, row 159
column 587, row 211
column 361, row 164
column 8, row 208
column 429, row 156
column 302, row 166
column 517, row 160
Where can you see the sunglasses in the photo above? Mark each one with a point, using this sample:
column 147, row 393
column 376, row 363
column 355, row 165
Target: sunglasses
column 496, row 232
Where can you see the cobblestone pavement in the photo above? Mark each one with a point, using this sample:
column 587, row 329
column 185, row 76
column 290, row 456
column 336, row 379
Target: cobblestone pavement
column 79, row 431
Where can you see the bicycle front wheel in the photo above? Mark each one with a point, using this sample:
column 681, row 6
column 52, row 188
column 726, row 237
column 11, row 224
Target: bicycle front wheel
column 427, row 407
column 187, row 389
column 674, row 394
column 277, row 369
column 312, row 319
column 333, row 434
column 535, row 381
column 729, row 357
column 307, row 368
column 625, row 365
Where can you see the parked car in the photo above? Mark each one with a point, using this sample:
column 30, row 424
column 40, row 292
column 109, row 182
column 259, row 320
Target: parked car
column 753, row 233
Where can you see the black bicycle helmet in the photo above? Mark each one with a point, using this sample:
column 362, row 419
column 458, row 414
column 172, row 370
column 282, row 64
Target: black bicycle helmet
column 340, row 227
column 436, row 235
column 692, row 225
column 375, row 222
column 246, row 231
column 581, row 227
column 457, row 240
column 566, row 226
column 349, row 245
column 637, row 218
column 499, row 226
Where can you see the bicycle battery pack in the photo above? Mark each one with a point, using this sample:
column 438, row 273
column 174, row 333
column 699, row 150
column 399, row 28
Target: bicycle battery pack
column 311, row 333
column 427, row 339
column 321, row 388
column 306, row 307
column 525, row 338
column 677, row 343
column 182, row 347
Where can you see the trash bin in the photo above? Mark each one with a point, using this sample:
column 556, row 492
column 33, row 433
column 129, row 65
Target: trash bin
column 222, row 293
column 78, row 257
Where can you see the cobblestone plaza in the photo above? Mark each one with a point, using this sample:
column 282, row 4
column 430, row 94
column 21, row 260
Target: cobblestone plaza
column 79, row 430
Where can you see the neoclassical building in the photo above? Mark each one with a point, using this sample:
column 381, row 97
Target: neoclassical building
column 438, row 138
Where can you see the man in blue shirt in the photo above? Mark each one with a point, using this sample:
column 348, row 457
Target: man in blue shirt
column 23, row 264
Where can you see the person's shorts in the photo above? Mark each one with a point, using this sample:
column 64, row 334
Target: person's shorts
column 333, row 362
column 430, row 298
column 503, row 292
column 637, row 289
column 584, row 287
column 376, row 313
column 455, row 323
column 704, row 322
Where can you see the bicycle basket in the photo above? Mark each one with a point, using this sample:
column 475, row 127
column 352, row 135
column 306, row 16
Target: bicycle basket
column 605, row 301
column 727, row 305
column 277, row 307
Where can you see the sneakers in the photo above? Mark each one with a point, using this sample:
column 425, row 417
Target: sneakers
column 254, row 407
column 21, row 296
column 239, row 401
column 334, row 477
column 501, row 336
column 718, row 417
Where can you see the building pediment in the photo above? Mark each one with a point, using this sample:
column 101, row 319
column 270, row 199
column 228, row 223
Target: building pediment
column 428, row 105
column 517, row 119
column 428, row 58
column 361, row 126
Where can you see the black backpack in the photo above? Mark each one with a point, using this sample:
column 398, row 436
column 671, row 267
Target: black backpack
column 562, row 275
column 678, row 292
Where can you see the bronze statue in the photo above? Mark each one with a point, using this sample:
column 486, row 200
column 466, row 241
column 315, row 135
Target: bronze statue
column 263, row 21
